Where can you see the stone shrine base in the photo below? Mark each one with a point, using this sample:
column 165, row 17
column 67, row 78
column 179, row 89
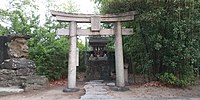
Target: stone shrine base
column 98, row 70
column 71, row 89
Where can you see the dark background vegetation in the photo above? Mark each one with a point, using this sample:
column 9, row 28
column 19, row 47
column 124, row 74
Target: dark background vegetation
column 166, row 42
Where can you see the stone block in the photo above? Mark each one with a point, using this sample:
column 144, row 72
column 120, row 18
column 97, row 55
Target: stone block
column 10, row 90
column 40, row 80
column 7, row 72
column 96, row 97
column 11, row 82
column 18, row 63
column 95, row 23
column 98, row 70
column 110, row 84
column 29, row 87
column 25, row 72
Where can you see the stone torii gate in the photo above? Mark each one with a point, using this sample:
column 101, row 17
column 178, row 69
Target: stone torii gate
column 95, row 21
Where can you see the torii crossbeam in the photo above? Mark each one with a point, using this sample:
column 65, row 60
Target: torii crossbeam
column 95, row 21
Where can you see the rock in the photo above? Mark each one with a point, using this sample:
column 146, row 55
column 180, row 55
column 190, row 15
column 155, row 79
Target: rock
column 110, row 84
column 25, row 72
column 10, row 90
column 96, row 90
column 35, row 82
column 29, row 87
column 18, row 63
column 40, row 80
column 7, row 72
column 21, row 72
column 18, row 48
column 15, row 69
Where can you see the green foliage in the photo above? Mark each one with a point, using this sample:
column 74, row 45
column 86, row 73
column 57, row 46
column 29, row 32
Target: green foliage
column 50, row 52
column 81, row 67
column 170, row 78
column 166, row 38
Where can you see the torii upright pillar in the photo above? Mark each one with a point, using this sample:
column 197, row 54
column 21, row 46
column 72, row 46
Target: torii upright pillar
column 119, row 55
column 72, row 61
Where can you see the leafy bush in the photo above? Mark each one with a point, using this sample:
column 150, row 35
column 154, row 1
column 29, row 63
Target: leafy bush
column 170, row 78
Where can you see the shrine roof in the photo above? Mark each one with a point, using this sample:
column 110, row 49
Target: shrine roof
column 98, row 40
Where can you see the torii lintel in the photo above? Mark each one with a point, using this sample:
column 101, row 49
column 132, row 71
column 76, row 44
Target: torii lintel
column 86, row 18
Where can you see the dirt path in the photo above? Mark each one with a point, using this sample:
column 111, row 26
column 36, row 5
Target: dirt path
column 157, row 92
column 53, row 93
column 142, row 91
column 136, row 91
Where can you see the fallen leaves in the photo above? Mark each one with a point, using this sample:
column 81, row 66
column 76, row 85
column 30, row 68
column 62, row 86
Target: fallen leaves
column 58, row 82
column 153, row 84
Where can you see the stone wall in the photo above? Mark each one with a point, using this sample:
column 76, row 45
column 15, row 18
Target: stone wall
column 21, row 72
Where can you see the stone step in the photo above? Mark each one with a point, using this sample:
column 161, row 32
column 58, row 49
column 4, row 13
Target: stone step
column 96, row 97
column 96, row 93
column 96, row 90
column 10, row 90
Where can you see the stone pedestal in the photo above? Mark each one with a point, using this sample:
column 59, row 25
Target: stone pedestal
column 98, row 70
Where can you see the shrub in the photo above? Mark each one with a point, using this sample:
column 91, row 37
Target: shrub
column 171, row 79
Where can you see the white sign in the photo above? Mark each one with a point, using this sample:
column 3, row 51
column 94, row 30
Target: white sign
column 77, row 56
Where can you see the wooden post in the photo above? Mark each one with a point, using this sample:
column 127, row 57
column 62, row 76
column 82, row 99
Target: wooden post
column 119, row 55
column 72, row 61
column 126, row 73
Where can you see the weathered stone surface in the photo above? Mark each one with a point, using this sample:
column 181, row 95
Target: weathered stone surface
column 7, row 72
column 34, row 82
column 17, row 63
column 117, row 88
column 15, row 69
column 21, row 72
column 25, row 71
column 96, row 90
column 40, row 80
column 71, row 89
column 111, row 84
column 11, row 82
column 98, row 70
column 10, row 90
column 18, row 48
